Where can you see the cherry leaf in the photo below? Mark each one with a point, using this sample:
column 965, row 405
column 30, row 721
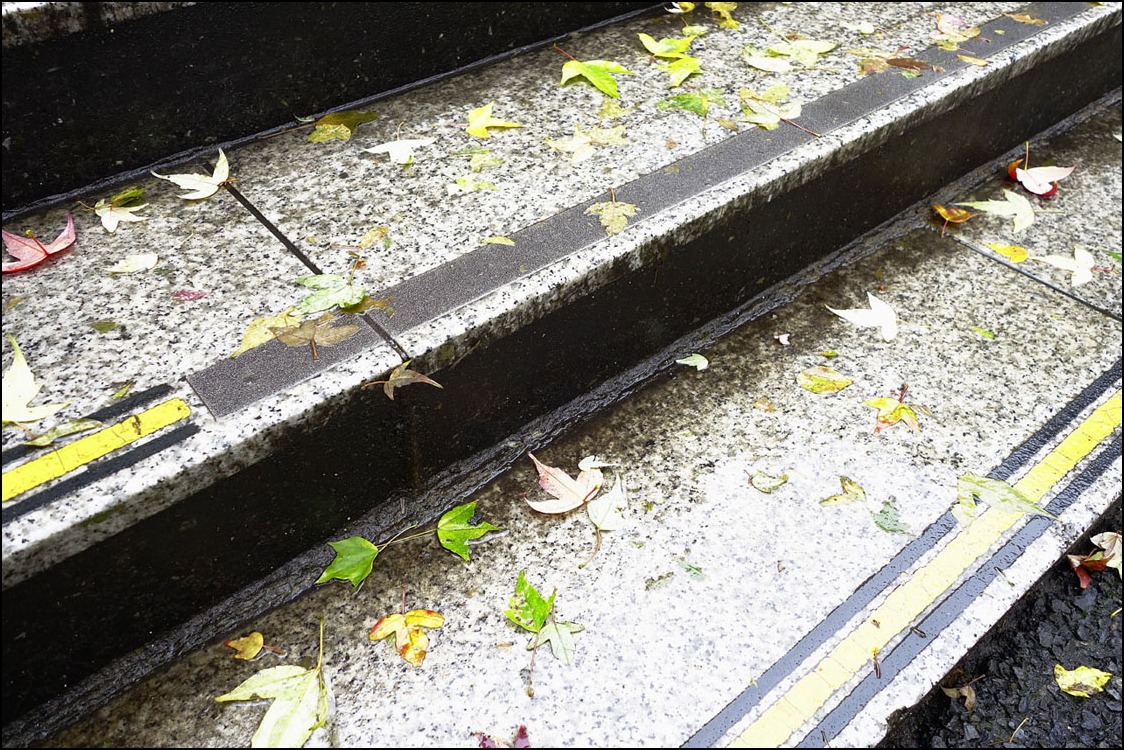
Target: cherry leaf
column 455, row 529
column 201, row 186
column 480, row 119
column 597, row 72
column 568, row 493
column 20, row 389
column 29, row 252
column 879, row 315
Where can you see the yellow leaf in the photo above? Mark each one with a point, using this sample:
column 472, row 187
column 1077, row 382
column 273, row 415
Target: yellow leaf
column 1082, row 682
column 497, row 241
column 411, row 640
column 258, row 332
column 247, row 647
column 1014, row 253
column 979, row 62
column 480, row 119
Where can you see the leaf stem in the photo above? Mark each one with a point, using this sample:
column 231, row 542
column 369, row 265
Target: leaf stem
column 564, row 52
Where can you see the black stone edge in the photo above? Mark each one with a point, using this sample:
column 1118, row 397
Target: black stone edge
column 894, row 661
column 713, row 731
column 124, row 406
column 225, row 388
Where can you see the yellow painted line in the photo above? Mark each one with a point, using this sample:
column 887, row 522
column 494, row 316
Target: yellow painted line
column 81, row 452
column 901, row 607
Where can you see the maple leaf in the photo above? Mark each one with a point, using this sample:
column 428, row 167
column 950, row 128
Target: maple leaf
column 613, row 215
column 952, row 215
column 581, row 145
column 667, row 47
column 260, row 330
column 69, row 427
column 1015, row 206
column 560, row 636
column 120, row 207
column 455, row 529
column 480, row 119
column 355, row 557
column 1042, row 180
column 568, row 493
column 1080, row 265
column 528, row 609
column 679, row 70
column 822, row 379
column 766, row 109
column 852, row 493
column 247, row 647
column 598, row 72
column 29, row 252
column 891, row 411
column 300, row 702
column 134, row 264
column 339, row 125
column 315, row 332
column 888, row 518
column 331, row 290
column 951, row 31
column 201, row 186
column 605, row 510
column 411, row 640
column 401, row 376
column 697, row 103
column 1082, row 681
column 761, row 60
column 400, row 152
column 1013, row 253
column 879, row 315
column 804, row 51
column 20, row 389
column 724, row 11
column 994, row 492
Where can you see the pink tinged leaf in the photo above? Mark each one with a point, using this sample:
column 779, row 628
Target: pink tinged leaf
column 1039, row 180
column 568, row 493
column 521, row 739
column 31, row 252
column 188, row 295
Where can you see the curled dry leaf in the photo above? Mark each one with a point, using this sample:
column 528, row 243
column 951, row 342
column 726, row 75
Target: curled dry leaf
column 400, row 376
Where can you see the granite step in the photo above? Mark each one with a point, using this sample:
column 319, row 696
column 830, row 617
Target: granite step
column 246, row 464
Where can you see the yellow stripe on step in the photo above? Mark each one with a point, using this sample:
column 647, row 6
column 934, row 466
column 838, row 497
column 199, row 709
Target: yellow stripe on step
column 855, row 653
column 81, row 452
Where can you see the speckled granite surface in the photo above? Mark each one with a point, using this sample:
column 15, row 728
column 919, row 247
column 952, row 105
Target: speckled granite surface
column 709, row 581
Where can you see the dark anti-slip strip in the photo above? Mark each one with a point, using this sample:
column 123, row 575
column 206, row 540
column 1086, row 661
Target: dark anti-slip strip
column 713, row 731
column 943, row 615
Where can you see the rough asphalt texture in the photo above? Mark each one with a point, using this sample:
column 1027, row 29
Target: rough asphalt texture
column 1056, row 622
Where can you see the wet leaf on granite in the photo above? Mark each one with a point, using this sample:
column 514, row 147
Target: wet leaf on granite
column 822, row 379
column 480, row 119
column 852, row 493
column 1015, row 207
column 996, row 493
column 879, row 315
column 1080, row 265
column 355, row 557
column 582, row 145
column 201, row 186
column 455, row 529
column 613, row 214
column 70, row 427
column 260, row 330
column 120, row 207
column 20, row 389
column 567, row 493
column 339, row 125
column 408, row 629
column 29, row 252
column 312, row 333
column 597, row 72
column 400, row 152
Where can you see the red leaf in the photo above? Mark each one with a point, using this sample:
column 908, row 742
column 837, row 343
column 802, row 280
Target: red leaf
column 31, row 252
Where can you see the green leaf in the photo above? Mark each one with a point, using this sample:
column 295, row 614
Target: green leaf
column 480, row 119
column 469, row 185
column 332, row 291
column 560, row 635
column 679, row 70
column 455, row 529
column 804, row 51
column 889, row 519
column 104, row 326
column 822, row 379
column 528, row 609
column 339, row 125
column 480, row 161
column 891, row 411
column 613, row 215
column 66, row 428
column 994, row 492
column 852, row 493
column 697, row 361
column 697, row 103
column 667, row 47
column 355, row 557
column 20, row 389
column 982, row 332
column 766, row 483
column 761, row 60
column 1115, row 255
column 300, row 702
column 765, row 109
column 597, row 72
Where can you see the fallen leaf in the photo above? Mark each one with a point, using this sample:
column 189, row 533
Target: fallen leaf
column 697, row 361
column 469, row 185
column 260, row 330
column 766, row 483
column 339, row 125
column 29, row 251
column 852, row 493
column 122, row 389
column 497, row 241
column 593, row 462
column 455, row 529
column 1042, row 180
column 528, row 609
column 697, row 103
column 20, row 389
column 313, row 333
column 1025, row 18
column 411, row 640
column 188, row 295
column 676, row 47
column 1081, row 682
column 951, row 32
column 968, row 693
column 952, row 215
column 300, row 702
column 891, row 411
column 822, row 379
column 568, row 493
column 402, row 376
column 560, row 636
column 355, row 557
column 68, row 427
column 120, row 207
column 996, row 493
column 480, row 119
column 613, row 215
column 1013, row 253
column 979, row 62
column 400, row 152
column 521, row 739
column 134, row 264
column 331, row 290
column 248, row 647
column 104, row 326
column 888, row 518
column 1015, row 206
column 1080, row 265
column 605, row 509
column 1106, row 557
column 760, row 59
column 598, row 72
column 679, row 70
column 724, row 12
column 879, row 315
column 201, row 186
column 766, row 110
column 989, row 335
column 581, row 145
column 804, row 51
